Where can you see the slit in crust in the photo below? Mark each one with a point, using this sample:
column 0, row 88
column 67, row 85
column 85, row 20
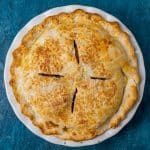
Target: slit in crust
column 50, row 75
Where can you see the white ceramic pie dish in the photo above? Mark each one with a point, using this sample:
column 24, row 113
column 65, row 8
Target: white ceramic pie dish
column 16, row 107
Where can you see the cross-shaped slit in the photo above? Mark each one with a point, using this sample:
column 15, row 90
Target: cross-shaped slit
column 76, row 52
column 51, row 75
column 73, row 100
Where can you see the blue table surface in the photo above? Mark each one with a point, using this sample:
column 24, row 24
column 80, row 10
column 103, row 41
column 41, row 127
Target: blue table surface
column 14, row 14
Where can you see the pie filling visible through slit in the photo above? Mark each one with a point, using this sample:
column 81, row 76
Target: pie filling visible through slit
column 75, row 75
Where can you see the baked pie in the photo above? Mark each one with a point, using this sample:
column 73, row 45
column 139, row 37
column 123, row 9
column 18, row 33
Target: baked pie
column 75, row 75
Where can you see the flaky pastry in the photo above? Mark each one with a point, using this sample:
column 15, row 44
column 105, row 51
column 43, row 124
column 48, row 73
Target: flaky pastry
column 75, row 75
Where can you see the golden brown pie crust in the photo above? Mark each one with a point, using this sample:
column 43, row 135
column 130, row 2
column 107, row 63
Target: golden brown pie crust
column 75, row 75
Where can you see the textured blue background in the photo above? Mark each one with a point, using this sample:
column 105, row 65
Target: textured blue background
column 14, row 14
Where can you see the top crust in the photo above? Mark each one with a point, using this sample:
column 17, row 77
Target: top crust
column 75, row 75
